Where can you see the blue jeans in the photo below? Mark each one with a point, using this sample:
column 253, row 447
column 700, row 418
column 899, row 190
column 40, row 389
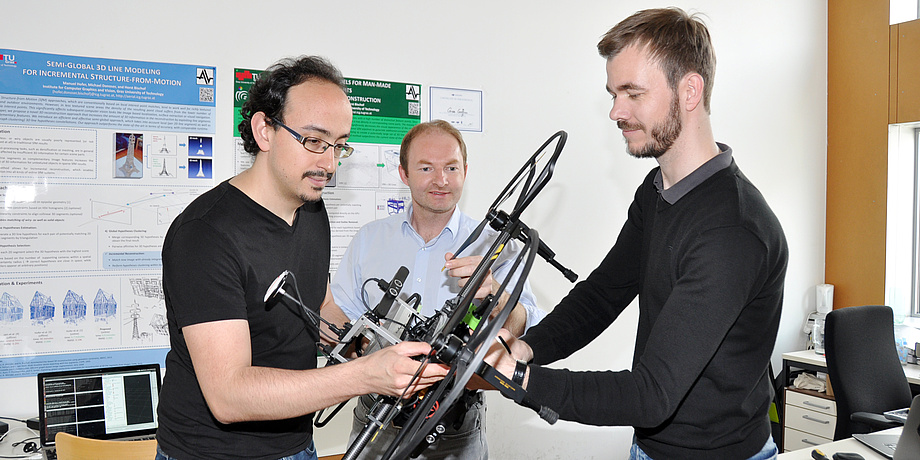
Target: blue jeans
column 307, row 454
column 769, row 452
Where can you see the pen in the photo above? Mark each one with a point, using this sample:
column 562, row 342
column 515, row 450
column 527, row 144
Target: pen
column 504, row 344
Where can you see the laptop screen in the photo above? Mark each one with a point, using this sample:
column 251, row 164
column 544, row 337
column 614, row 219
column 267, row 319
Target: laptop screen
column 110, row 403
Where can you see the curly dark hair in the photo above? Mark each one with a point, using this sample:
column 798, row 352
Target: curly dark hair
column 269, row 93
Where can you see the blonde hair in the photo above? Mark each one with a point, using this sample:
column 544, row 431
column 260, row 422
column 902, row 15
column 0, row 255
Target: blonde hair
column 422, row 128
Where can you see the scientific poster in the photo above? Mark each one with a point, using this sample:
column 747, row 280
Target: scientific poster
column 97, row 156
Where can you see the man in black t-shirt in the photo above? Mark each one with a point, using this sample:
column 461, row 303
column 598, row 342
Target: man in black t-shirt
column 241, row 378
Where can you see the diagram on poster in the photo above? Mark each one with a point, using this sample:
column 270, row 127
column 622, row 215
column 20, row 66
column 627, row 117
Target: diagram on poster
column 129, row 155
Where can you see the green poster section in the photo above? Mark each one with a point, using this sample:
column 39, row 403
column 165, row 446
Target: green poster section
column 383, row 111
column 380, row 130
column 243, row 79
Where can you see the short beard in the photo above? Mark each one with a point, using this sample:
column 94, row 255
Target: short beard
column 319, row 190
column 663, row 135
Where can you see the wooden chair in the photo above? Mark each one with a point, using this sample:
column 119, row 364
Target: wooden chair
column 70, row 447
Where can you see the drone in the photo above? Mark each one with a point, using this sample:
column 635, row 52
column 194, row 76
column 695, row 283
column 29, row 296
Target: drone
column 460, row 333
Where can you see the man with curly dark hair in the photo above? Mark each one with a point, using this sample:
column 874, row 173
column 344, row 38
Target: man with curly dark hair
column 241, row 378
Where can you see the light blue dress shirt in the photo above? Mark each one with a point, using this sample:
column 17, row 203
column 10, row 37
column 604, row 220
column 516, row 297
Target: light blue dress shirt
column 382, row 246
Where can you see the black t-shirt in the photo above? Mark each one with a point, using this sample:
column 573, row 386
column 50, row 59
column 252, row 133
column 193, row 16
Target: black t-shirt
column 219, row 258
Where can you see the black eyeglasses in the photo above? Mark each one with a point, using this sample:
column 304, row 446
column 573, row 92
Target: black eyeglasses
column 317, row 145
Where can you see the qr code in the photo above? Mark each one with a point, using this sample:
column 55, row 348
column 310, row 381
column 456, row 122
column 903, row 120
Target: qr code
column 205, row 94
column 414, row 108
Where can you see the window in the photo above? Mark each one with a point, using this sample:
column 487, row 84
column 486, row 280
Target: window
column 902, row 261
column 903, row 11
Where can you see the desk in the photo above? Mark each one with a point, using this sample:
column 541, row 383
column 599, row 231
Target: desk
column 18, row 432
column 823, row 421
column 810, row 361
column 844, row 445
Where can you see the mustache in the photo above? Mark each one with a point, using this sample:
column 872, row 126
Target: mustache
column 318, row 173
column 629, row 126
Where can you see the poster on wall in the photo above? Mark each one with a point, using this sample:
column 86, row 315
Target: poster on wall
column 97, row 157
column 366, row 185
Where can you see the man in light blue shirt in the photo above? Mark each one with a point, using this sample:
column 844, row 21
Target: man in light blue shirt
column 423, row 239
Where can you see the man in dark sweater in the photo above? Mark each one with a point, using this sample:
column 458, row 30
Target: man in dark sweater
column 701, row 249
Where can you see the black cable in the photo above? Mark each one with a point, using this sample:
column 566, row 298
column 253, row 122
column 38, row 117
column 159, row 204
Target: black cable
column 30, row 440
column 14, row 419
column 418, row 371
column 382, row 284
column 24, row 441
column 313, row 317
column 414, row 302
column 417, row 298
column 364, row 292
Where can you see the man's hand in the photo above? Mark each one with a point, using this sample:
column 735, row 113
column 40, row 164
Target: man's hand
column 389, row 371
column 503, row 361
column 463, row 268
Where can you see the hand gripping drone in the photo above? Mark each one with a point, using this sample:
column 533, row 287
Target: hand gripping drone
column 460, row 333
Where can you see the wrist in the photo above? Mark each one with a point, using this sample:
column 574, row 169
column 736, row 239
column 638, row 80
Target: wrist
column 520, row 371
column 521, row 351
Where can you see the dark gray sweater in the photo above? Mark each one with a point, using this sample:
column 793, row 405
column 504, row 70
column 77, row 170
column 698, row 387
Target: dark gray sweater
column 709, row 270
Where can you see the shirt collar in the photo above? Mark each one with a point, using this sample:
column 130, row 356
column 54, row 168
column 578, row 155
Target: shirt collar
column 453, row 225
column 697, row 177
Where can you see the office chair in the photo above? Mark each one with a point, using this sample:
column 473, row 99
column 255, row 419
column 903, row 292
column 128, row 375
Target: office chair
column 864, row 370
column 70, row 447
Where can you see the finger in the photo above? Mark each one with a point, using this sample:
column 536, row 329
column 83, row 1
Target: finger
column 466, row 265
column 409, row 348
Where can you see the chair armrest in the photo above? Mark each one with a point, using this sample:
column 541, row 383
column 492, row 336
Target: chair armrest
column 876, row 421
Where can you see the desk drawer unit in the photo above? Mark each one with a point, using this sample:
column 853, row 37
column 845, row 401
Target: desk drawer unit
column 795, row 440
column 809, row 420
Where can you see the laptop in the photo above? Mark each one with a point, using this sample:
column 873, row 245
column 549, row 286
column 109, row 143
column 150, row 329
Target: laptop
column 118, row 403
column 905, row 446
column 899, row 415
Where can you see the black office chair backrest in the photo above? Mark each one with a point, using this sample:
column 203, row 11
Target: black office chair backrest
column 863, row 365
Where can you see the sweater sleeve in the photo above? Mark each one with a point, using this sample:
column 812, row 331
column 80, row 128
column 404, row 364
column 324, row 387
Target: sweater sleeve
column 718, row 274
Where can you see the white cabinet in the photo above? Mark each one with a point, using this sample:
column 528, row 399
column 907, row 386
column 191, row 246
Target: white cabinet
column 810, row 419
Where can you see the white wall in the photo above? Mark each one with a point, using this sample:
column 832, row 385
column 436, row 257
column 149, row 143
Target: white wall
column 537, row 66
